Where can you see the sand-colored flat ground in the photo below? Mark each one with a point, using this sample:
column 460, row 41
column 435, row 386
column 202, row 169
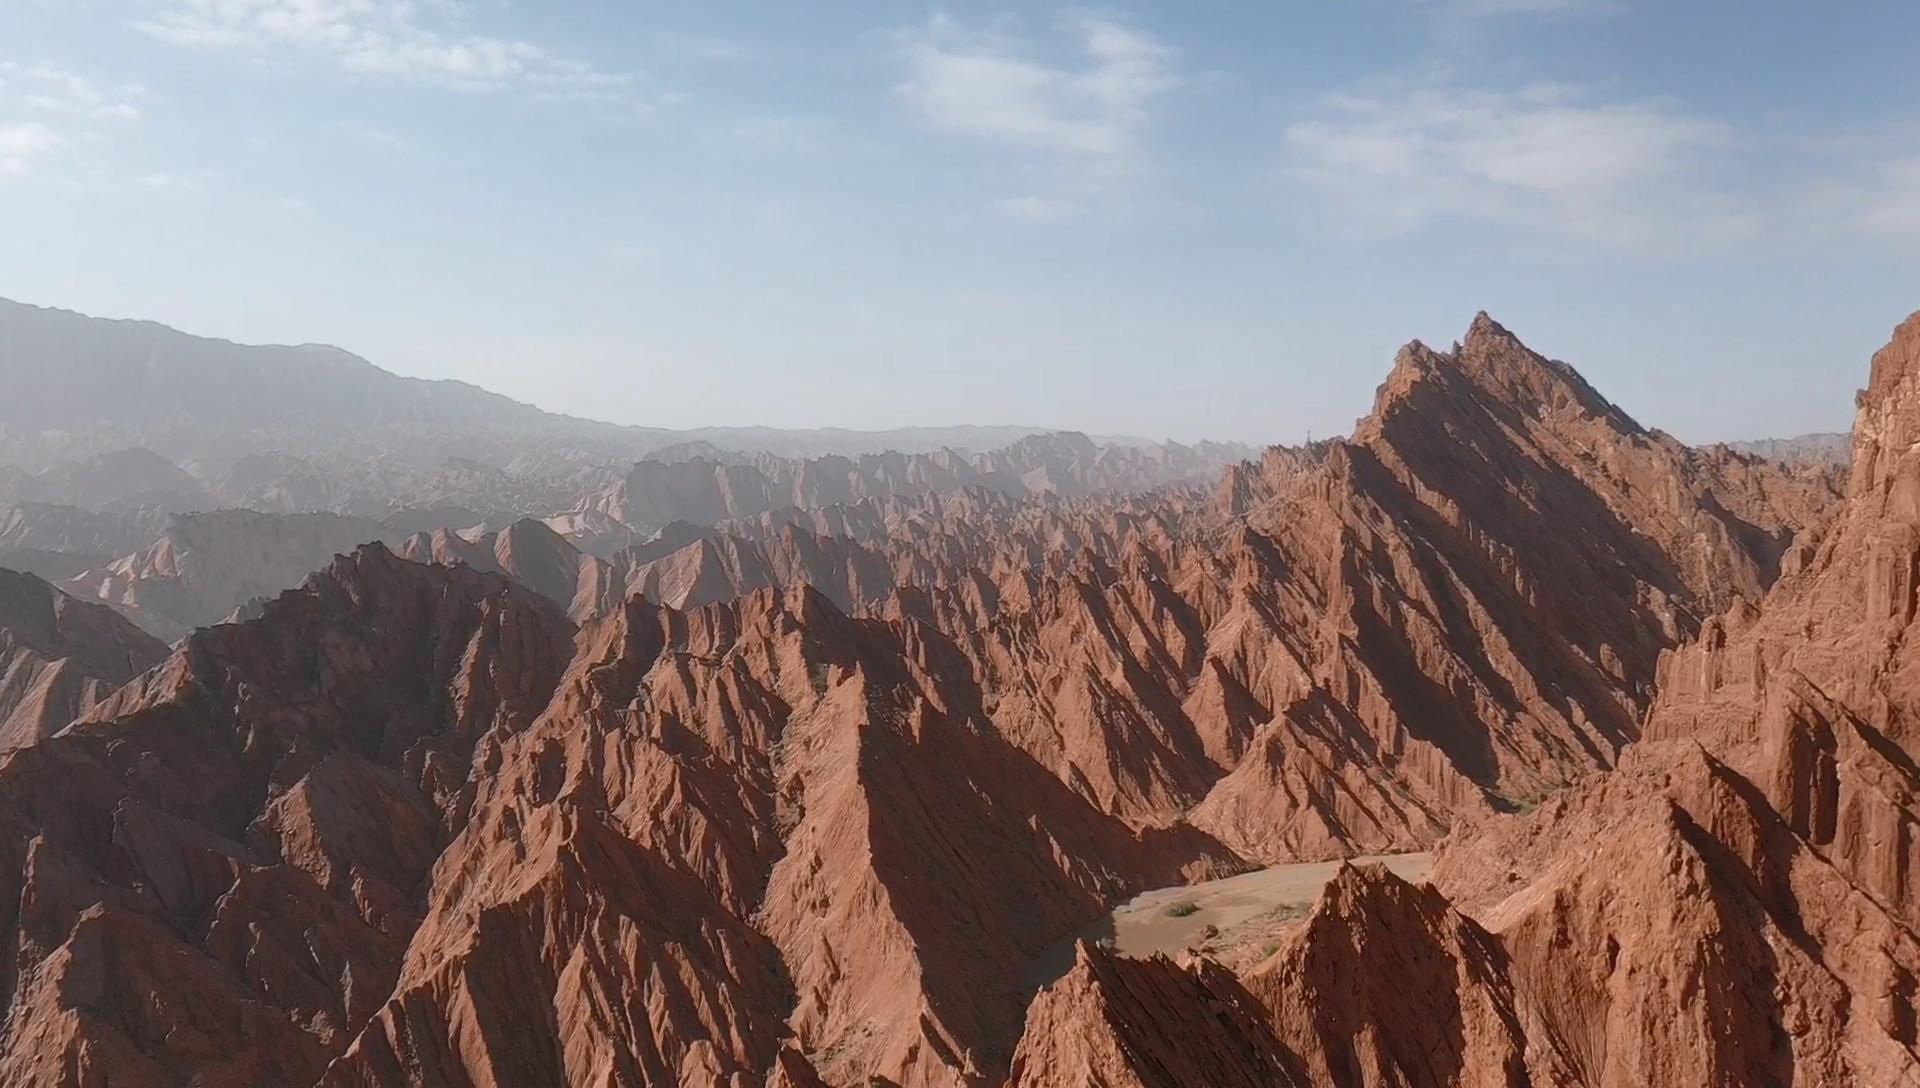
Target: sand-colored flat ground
column 1245, row 912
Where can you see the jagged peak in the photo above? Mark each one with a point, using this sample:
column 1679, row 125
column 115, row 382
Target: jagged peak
column 1357, row 890
column 1887, row 426
column 42, row 617
column 534, row 529
column 1497, row 369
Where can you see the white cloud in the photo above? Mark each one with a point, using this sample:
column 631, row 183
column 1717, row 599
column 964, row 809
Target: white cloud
column 709, row 47
column 981, row 84
column 1037, row 209
column 177, row 183
column 1877, row 198
column 1545, row 156
column 44, row 109
column 1531, row 7
column 1893, row 204
column 368, row 133
column 21, row 145
column 388, row 39
column 46, row 89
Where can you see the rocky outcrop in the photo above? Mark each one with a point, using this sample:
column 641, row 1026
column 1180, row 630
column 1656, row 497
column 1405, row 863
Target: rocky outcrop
column 216, row 868
column 1491, row 495
column 528, row 551
column 781, row 775
column 1693, row 934
column 1385, row 984
column 1150, row 1024
column 59, row 657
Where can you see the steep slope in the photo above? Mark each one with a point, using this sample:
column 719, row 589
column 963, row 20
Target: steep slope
column 1385, row 985
column 1491, row 495
column 1150, row 1024
column 60, row 656
column 1732, row 905
column 527, row 551
column 1338, row 651
column 854, row 859
column 216, row 869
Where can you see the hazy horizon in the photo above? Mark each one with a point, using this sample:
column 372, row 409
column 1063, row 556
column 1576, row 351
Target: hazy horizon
column 874, row 217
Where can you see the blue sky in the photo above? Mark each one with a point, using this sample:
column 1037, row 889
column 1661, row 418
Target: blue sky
column 1170, row 219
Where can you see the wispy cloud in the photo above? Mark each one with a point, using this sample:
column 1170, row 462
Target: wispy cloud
column 368, row 133
column 44, row 108
column 51, row 90
column 1036, row 209
column 392, row 39
column 709, row 47
column 1877, row 196
column 22, row 145
column 1491, row 8
column 1891, row 205
column 987, row 84
column 161, row 182
column 1545, row 156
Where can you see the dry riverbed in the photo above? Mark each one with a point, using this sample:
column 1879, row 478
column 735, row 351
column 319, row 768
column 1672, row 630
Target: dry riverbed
column 1236, row 920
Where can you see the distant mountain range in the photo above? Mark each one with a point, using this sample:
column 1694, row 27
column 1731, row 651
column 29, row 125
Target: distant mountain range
column 1821, row 449
column 80, row 386
column 177, row 478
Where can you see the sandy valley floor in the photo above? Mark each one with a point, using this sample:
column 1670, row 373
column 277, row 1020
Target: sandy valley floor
column 1235, row 920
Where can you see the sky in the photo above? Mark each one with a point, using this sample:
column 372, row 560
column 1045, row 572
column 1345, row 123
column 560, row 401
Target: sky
column 1169, row 219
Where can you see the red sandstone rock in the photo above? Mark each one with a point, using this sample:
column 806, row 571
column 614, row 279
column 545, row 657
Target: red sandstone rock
column 59, row 656
column 811, row 821
column 216, row 868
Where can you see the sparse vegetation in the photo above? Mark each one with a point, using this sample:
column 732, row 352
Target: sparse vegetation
column 1516, row 804
column 1185, row 908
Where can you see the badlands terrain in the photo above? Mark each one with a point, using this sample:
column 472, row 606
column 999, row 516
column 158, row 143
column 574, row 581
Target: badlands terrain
column 421, row 738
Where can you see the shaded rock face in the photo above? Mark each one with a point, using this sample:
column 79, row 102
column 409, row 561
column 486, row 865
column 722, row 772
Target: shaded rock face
column 60, row 656
column 528, row 551
column 1384, row 985
column 1151, row 1024
column 217, row 868
column 751, row 823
